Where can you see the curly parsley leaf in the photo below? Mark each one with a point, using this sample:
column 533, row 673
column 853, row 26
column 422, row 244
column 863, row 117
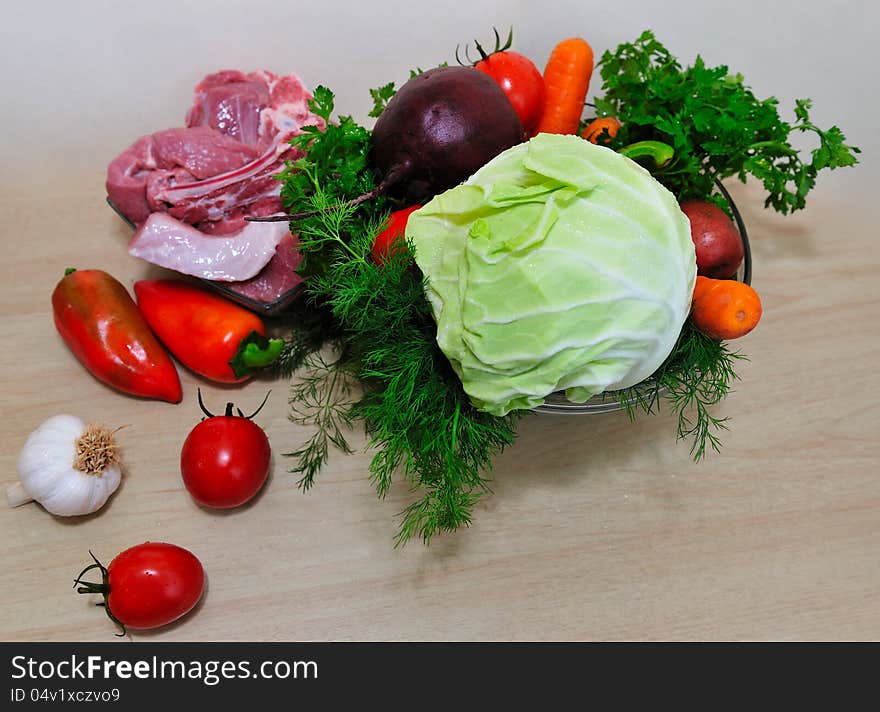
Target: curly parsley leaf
column 717, row 126
column 381, row 96
column 337, row 157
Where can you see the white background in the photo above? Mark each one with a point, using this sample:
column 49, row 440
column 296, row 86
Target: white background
column 82, row 80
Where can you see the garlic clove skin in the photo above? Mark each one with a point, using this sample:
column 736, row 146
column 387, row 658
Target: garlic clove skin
column 81, row 493
column 48, row 474
column 48, row 455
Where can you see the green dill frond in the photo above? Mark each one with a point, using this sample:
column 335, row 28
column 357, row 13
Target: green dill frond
column 416, row 416
column 312, row 328
column 697, row 375
column 323, row 398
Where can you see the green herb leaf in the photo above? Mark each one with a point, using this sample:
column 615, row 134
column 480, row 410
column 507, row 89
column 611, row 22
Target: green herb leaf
column 337, row 160
column 321, row 397
column 381, row 97
column 696, row 376
column 378, row 321
column 717, row 126
column 321, row 102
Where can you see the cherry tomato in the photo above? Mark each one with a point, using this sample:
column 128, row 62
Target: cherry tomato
column 225, row 459
column 384, row 244
column 148, row 585
column 521, row 81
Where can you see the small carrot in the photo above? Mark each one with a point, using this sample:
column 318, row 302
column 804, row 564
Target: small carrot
column 702, row 285
column 594, row 130
column 566, row 80
column 724, row 308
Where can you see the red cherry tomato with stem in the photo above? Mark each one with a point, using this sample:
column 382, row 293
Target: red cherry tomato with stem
column 148, row 585
column 521, row 81
column 225, row 458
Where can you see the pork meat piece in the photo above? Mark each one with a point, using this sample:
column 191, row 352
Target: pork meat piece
column 235, row 141
column 175, row 245
column 189, row 189
column 276, row 278
column 231, row 104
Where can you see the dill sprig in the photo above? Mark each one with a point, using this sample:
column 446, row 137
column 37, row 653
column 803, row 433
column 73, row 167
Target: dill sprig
column 313, row 328
column 377, row 321
column 414, row 410
column 696, row 376
column 321, row 397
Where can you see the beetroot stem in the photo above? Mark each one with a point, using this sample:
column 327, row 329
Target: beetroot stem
column 393, row 177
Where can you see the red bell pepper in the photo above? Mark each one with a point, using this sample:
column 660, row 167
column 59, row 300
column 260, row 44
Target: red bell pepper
column 100, row 323
column 390, row 240
column 205, row 332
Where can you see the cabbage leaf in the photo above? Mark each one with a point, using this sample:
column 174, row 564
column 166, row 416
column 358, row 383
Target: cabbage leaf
column 559, row 265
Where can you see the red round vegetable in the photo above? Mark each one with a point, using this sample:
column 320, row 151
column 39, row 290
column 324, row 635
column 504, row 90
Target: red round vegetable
column 521, row 81
column 225, row 459
column 206, row 333
column 148, row 585
column 100, row 323
column 717, row 242
column 390, row 240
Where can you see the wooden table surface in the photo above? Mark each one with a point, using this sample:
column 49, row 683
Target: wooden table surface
column 598, row 528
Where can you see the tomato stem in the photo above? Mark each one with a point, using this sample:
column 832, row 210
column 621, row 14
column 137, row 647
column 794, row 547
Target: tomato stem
column 228, row 414
column 103, row 588
column 250, row 417
column 202, row 404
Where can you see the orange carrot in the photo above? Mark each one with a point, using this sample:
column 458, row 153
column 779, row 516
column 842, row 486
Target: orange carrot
column 702, row 285
column 594, row 131
column 724, row 308
column 566, row 80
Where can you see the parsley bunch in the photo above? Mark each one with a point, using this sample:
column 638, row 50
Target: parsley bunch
column 717, row 126
column 337, row 158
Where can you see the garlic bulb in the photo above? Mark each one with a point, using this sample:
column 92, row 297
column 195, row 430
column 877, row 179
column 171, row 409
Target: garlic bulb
column 68, row 467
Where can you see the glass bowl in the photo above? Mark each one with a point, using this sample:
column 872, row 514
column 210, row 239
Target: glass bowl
column 608, row 402
column 272, row 308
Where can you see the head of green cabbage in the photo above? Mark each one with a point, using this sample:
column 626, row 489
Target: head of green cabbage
column 559, row 265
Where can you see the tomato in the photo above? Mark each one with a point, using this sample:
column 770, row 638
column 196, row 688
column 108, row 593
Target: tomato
column 392, row 232
column 521, row 81
column 225, row 459
column 148, row 585
column 208, row 334
column 100, row 323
